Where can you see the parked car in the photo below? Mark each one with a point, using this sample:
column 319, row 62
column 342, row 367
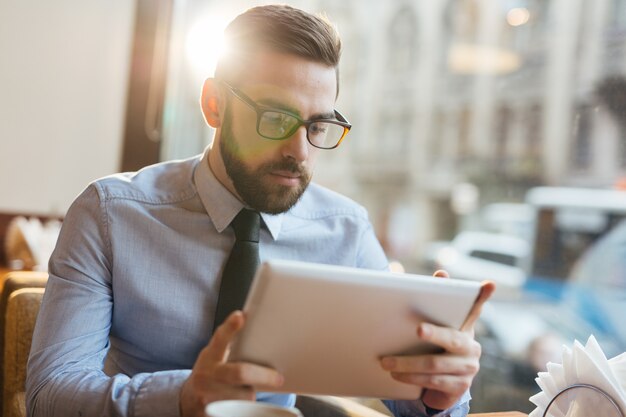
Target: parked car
column 480, row 256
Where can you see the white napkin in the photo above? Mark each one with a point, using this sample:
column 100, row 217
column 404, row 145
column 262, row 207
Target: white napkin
column 30, row 242
column 582, row 365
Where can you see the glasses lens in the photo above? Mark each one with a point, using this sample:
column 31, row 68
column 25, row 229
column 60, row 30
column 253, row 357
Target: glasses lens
column 325, row 135
column 277, row 125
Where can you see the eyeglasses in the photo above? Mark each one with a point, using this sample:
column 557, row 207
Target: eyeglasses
column 279, row 124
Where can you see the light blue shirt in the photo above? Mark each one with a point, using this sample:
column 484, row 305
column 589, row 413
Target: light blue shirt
column 134, row 281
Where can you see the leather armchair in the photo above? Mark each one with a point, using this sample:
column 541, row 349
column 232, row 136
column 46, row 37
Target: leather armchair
column 10, row 283
column 21, row 314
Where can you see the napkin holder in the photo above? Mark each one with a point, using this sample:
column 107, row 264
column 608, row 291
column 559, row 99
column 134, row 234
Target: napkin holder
column 603, row 404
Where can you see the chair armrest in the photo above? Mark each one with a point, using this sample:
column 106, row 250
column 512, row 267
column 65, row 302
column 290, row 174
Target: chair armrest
column 17, row 406
column 21, row 314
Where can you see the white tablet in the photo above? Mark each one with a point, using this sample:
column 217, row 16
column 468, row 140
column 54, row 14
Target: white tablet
column 325, row 327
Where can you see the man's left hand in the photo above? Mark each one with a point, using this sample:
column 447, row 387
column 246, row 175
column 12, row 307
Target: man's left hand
column 448, row 375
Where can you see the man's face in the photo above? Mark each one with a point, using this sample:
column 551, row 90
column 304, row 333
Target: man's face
column 267, row 196
column 271, row 175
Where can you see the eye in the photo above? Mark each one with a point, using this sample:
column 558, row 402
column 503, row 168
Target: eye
column 275, row 118
column 319, row 128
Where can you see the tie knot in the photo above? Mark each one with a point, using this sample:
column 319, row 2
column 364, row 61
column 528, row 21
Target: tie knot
column 246, row 225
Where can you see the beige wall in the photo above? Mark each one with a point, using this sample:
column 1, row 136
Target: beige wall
column 63, row 79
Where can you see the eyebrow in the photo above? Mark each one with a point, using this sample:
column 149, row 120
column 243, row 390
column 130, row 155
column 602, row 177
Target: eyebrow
column 282, row 106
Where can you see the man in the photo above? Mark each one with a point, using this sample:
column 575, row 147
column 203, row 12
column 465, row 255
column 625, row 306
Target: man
column 126, row 325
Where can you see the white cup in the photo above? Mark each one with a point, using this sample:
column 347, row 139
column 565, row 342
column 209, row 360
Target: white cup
column 241, row 408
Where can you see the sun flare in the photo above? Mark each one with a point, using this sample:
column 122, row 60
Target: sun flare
column 205, row 44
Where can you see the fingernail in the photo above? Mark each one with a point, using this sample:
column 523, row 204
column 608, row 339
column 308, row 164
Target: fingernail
column 425, row 330
column 280, row 380
column 388, row 363
column 440, row 273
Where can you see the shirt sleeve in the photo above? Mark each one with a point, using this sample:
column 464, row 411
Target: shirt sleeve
column 370, row 254
column 65, row 373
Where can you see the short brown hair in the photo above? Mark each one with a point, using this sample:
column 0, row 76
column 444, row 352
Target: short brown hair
column 279, row 28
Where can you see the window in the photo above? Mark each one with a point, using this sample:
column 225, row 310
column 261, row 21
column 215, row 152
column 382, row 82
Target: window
column 582, row 129
column 402, row 40
column 502, row 96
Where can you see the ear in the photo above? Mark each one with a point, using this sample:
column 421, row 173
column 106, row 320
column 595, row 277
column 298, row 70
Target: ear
column 212, row 103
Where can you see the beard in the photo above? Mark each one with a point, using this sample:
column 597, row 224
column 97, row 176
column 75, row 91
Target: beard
column 250, row 184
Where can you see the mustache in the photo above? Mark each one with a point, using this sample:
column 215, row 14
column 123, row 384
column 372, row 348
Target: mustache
column 285, row 165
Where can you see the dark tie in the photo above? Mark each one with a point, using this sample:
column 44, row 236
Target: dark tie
column 240, row 266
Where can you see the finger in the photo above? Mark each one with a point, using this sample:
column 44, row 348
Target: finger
column 199, row 390
column 449, row 384
column 239, row 393
column 451, row 340
column 486, row 290
column 231, row 392
column 248, row 374
column 441, row 273
column 431, row 364
column 217, row 349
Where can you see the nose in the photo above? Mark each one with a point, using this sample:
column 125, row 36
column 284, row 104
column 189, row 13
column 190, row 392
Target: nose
column 297, row 146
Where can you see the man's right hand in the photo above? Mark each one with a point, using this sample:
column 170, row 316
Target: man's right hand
column 213, row 378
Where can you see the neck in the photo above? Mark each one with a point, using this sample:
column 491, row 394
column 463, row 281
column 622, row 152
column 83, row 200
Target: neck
column 216, row 165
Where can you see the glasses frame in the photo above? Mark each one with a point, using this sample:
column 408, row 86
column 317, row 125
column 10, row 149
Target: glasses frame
column 260, row 109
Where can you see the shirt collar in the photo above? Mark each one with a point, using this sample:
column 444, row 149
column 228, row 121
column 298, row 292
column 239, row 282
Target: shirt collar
column 220, row 204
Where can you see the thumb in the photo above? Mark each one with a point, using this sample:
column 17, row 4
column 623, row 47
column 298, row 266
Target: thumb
column 486, row 290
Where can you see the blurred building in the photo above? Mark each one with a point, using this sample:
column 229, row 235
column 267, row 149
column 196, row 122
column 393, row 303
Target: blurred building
column 498, row 94
column 455, row 104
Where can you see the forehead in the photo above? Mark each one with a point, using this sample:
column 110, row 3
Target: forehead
column 297, row 82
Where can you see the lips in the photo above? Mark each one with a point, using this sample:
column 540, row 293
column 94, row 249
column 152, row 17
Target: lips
column 288, row 178
column 287, row 174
